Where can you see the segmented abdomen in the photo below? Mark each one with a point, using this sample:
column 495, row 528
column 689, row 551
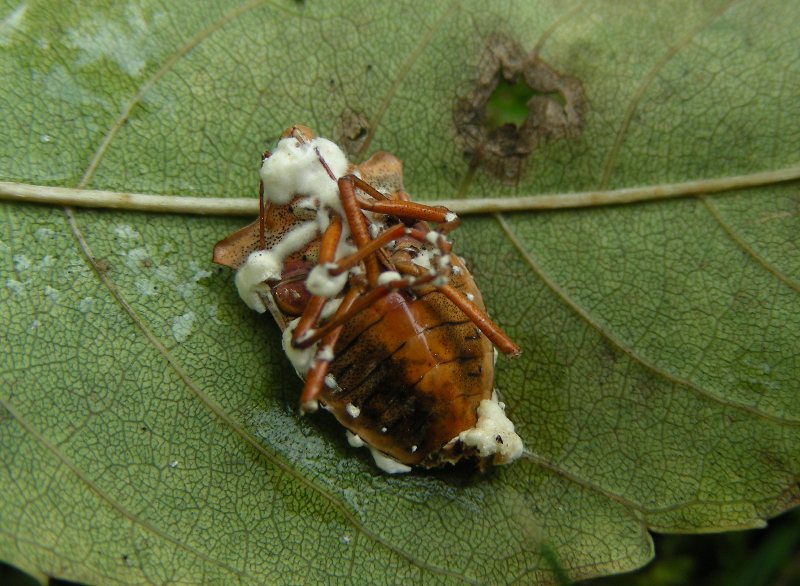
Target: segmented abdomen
column 415, row 370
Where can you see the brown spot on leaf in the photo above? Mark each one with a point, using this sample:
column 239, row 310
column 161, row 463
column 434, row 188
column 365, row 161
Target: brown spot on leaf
column 352, row 129
column 556, row 110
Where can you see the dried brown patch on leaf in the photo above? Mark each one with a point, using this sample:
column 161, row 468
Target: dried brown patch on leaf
column 556, row 110
column 352, row 129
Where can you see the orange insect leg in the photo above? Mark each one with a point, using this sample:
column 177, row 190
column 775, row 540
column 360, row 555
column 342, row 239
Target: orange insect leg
column 497, row 336
column 341, row 317
column 327, row 252
column 358, row 225
column 403, row 207
column 315, row 378
column 367, row 188
column 387, row 236
column 407, row 210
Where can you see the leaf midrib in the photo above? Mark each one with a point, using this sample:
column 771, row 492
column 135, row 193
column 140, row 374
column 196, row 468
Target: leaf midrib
column 218, row 411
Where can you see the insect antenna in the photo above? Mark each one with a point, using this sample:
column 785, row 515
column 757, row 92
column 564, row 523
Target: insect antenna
column 262, row 209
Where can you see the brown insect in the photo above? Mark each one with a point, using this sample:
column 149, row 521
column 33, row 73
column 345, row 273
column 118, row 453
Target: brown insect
column 384, row 323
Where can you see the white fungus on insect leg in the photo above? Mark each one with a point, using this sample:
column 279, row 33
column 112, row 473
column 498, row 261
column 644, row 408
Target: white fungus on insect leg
column 330, row 382
column 433, row 238
column 387, row 277
column 325, row 354
column 321, row 282
column 301, row 358
column 330, row 308
column 265, row 265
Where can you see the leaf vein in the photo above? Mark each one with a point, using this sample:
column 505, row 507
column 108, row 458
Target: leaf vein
column 648, row 79
column 622, row 346
column 193, row 42
column 405, row 69
column 235, row 427
column 103, row 495
column 747, row 248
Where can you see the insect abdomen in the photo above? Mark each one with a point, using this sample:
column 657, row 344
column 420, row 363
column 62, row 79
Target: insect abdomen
column 415, row 370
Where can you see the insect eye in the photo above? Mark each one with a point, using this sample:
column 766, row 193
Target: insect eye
column 291, row 297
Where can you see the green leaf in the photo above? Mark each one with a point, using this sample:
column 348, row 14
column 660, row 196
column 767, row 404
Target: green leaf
column 149, row 430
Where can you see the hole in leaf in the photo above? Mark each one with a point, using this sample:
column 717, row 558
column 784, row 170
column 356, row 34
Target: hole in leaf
column 518, row 101
column 508, row 103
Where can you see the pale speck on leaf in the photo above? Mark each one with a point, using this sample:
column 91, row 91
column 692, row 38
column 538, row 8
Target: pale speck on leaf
column 145, row 286
column 86, row 304
column 43, row 234
column 182, row 326
column 15, row 286
column 11, row 26
column 21, row 262
column 52, row 294
column 126, row 232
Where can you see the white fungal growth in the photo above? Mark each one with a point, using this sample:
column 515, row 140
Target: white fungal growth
column 382, row 461
column 387, row 464
column 294, row 168
column 387, row 277
column 450, row 217
column 264, row 265
column 330, row 308
column 325, row 354
column 423, row 260
column 493, row 435
column 354, row 440
column 352, row 410
column 301, row 359
column 321, row 282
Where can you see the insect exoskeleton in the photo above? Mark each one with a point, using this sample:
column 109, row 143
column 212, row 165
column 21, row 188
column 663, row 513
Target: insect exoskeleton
column 383, row 322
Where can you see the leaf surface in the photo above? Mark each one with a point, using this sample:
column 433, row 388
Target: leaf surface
column 149, row 426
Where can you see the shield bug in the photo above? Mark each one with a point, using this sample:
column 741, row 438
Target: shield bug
column 383, row 322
